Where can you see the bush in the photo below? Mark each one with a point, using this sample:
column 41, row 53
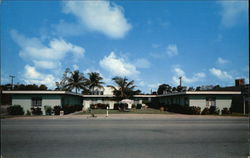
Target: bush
column 193, row 110
column 205, row 111
column 225, row 111
column 57, row 110
column 99, row 106
column 121, row 106
column 28, row 113
column 48, row 110
column 71, row 108
column 15, row 110
column 139, row 106
column 214, row 110
column 133, row 106
column 36, row 111
column 211, row 110
column 68, row 109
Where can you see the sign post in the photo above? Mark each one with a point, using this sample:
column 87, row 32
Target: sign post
column 107, row 111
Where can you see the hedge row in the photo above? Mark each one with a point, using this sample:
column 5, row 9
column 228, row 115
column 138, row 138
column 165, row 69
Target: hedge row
column 99, row 106
column 183, row 109
column 67, row 109
column 120, row 105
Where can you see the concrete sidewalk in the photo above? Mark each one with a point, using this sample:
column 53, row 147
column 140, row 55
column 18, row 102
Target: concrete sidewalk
column 130, row 116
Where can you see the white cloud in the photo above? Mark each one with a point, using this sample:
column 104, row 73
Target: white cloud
column 47, row 57
column 46, row 64
column 223, row 75
column 32, row 76
column 178, row 72
column 118, row 66
column 142, row 63
column 222, row 61
column 75, row 67
column 101, row 16
column 232, row 11
column 68, row 29
column 172, row 50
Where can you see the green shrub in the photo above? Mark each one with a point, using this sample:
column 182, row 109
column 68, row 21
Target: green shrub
column 36, row 111
column 193, row 110
column 15, row 110
column 71, row 108
column 48, row 110
column 225, row 111
column 139, row 106
column 205, row 111
column 133, row 106
column 214, row 110
column 121, row 106
column 99, row 106
column 28, row 113
column 57, row 110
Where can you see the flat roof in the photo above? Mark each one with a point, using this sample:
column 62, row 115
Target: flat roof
column 202, row 93
column 40, row 92
column 137, row 96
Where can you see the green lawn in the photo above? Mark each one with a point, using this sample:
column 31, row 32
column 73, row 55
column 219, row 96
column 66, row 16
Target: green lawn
column 132, row 111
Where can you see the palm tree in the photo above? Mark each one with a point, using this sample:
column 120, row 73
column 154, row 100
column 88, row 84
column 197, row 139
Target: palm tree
column 124, row 88
column 164, row 87
column 94, row 81
column 76, row 80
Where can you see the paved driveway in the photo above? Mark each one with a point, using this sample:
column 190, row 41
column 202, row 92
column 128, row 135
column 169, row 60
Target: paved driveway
column 125, row 138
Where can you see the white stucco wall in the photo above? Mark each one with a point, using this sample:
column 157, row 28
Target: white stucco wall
column 220, row 103
column 50, row 102
column 26, row 103
column 223, row 103
column 198, row 102
column 87, row 103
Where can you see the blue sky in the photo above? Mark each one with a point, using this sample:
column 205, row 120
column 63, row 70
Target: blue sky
column 151, row 42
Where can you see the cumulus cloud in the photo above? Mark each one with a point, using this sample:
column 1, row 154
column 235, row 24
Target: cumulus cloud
column 64, row 28
column 46, row 64
column 142, row 63
column 43, row 56
column 222, row 61
column 75, row 67
column 232, row 11
column 32, row 76
column 101, row 16
column 172, row 50
column 118, row 66
column 178, row 72
column 223, row 75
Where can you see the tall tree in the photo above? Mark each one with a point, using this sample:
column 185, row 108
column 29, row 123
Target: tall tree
column 124, row 89
column 62, row 84
column 76, row 81
column 164, row 87
column 94, row 81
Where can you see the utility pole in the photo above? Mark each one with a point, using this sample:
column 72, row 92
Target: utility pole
column 12, row 78
column 180, row 80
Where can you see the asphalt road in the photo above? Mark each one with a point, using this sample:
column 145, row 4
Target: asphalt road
column 90, row 138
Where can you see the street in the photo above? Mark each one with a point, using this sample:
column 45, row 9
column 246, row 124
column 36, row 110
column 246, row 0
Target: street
column 130, row 138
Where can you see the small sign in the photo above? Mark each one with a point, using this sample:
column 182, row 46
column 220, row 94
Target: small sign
column 61, row 113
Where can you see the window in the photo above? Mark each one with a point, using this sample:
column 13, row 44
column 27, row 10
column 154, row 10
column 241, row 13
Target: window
column 210, row 101
column 36, row 101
